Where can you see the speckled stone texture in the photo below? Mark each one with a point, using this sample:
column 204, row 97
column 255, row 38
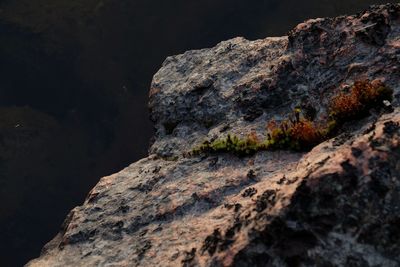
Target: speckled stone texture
column 337, row 205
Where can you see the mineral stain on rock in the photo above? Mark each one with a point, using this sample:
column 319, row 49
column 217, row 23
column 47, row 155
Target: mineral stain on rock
column 335, row 205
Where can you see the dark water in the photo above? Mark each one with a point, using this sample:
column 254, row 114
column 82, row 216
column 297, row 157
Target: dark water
column 74, row 77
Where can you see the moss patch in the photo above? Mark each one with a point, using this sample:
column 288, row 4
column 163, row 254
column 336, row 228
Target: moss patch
column 355, row 104
column 298, row 132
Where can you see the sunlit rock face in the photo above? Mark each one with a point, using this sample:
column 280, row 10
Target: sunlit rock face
column 336, row 205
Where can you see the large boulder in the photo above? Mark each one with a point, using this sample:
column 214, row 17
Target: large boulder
column 336, row 205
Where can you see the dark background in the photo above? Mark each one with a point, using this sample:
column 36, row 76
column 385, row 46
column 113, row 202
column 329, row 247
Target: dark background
column 74, row 77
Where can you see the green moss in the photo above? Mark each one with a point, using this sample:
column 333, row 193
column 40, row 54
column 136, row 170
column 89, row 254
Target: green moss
column 299, row 133
column 229, row 144
column 296, row 135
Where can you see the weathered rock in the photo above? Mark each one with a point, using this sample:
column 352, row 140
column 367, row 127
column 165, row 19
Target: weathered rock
column 337, row 205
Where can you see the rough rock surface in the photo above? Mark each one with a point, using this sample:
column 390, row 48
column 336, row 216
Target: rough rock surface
column 337, row 205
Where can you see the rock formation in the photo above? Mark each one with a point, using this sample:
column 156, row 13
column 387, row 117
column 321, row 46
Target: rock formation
column 336, row 205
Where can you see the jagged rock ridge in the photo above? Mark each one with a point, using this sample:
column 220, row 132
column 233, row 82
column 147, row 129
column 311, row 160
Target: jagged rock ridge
column 337, row 205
